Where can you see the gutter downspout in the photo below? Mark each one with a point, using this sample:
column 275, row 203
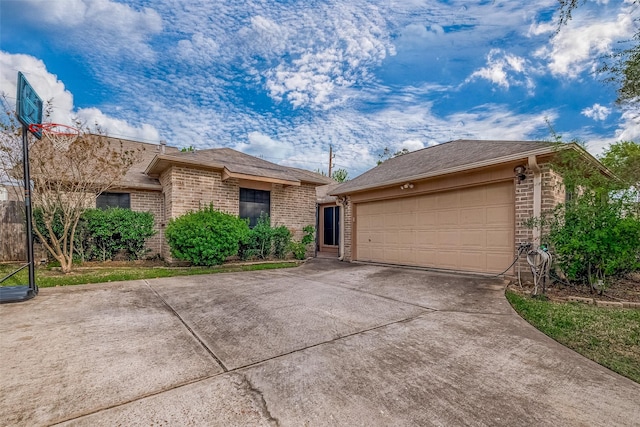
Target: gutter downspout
column 537, row 197
column 342, row 202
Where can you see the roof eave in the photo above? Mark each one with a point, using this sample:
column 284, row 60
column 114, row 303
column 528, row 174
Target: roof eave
column 456, row 169
column 156, row 167
column 227, row 174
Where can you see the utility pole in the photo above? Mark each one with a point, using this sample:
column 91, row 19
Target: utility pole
column 330, row 160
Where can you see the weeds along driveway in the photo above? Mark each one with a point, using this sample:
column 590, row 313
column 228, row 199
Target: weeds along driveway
column 327, row 343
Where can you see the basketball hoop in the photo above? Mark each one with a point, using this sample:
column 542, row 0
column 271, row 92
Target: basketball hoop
column 61, row 136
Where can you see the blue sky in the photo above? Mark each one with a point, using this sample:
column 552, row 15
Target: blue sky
column 286, row 79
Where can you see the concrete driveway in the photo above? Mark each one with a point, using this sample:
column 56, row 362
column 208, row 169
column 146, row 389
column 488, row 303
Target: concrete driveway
column 327, row 343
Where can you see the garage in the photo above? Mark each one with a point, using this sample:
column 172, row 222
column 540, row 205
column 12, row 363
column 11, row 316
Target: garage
column 468, row 229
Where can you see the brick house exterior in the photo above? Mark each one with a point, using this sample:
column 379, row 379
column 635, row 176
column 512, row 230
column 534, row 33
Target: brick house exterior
column 454, row 206
column 169, row 183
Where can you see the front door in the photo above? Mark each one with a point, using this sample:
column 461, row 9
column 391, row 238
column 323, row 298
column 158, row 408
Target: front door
column 329, row 228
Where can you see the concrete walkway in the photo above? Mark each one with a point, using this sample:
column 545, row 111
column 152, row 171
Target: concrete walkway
column 324, row 344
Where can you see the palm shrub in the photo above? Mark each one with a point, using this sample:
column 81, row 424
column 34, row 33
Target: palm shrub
column 206, row 237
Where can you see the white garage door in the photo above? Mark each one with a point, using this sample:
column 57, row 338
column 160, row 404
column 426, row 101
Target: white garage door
column 471, row 229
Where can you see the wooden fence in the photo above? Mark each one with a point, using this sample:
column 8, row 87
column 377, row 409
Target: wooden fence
column 12, row 231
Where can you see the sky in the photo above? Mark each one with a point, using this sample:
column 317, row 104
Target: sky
column 285, row 80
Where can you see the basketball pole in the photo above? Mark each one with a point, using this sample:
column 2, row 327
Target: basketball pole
column 27, row 208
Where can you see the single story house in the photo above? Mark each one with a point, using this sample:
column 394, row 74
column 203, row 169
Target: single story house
column 168, row 183
column 461, row 205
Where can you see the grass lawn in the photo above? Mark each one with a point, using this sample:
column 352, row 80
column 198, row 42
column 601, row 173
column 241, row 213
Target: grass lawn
column 608, row 336
column 46, row 277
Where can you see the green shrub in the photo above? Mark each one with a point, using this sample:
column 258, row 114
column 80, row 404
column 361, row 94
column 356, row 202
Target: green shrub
column 299, row 249
column 594, row 237
column 100, row 234
column 205, row 237
column 263, row 240
column 281, row 239
column 116, row 229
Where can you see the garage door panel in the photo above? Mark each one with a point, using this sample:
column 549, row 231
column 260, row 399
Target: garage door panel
column 426, row 236
column 407, row 238
column 469, row 229
column 406, row 220
column 497, row 195
column 377, row 221
column 473, row 239
column 472, row 260
column 426, row 219
column 447, row 259
column 448, row 238
column 391, row 238
column 499, row 239
column 473, row 216
column 498, row 215
column 497, row 262
column 448, row 218
column 447, row 200
column 472, row 197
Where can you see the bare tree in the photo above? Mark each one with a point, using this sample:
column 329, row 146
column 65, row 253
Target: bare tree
column 65, row 183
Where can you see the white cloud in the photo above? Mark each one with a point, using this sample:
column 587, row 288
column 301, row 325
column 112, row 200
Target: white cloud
column 501, row 67
column 597, row 112
column 579, row 45
column 49, row 88
column 326, row 56
column 46, row 85
column 200, row 49
column 497, row 122
column 262, row 145
column 103, row 27
column 629, row 129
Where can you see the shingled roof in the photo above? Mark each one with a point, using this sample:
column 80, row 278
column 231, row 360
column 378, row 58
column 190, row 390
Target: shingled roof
column 136, row 177
column 236, row 163
column 441, row 159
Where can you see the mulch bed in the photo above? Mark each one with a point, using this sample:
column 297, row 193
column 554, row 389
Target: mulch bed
column 625, row 288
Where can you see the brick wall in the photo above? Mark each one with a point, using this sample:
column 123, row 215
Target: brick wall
column 293, row 207
column 348, row 229
column 151, row 201
column 553, row 193
column 188, row 189
column 524, row 208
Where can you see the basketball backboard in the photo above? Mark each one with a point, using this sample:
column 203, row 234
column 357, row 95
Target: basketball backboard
column 28, row 105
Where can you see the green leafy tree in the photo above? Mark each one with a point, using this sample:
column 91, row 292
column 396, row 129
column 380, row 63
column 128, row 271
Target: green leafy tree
column 623, row 159
column 65, row 183
column 622, row 67
column 340, row 175
column 387, row 154
column 595, row 234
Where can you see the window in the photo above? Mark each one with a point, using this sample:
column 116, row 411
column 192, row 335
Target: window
column 253, row 203
column 113, row 200
column 331, row 226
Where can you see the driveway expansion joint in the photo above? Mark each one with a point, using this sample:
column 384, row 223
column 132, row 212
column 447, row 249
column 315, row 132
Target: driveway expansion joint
column 191, row 331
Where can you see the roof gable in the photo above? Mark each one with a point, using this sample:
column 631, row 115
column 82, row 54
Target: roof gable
column 237, row 164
